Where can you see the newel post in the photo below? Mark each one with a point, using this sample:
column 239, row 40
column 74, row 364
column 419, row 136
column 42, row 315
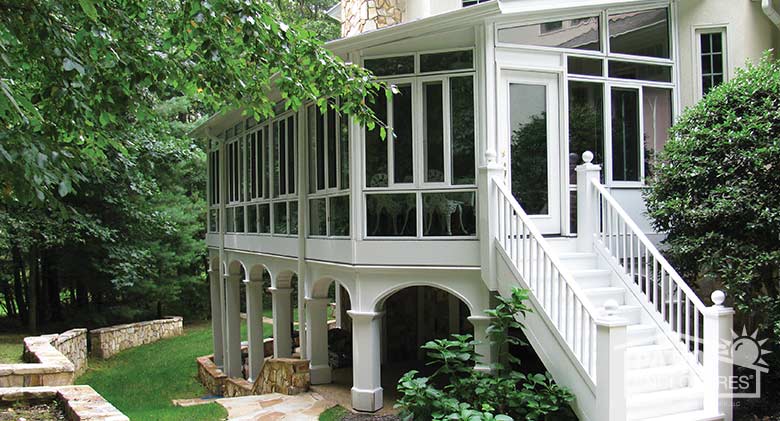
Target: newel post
column 718, row 323
column 587, row 203
column 488, row 217
column 611, row 365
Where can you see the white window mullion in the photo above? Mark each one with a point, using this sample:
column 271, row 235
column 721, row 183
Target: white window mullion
column 390, row 143
column 446, row 121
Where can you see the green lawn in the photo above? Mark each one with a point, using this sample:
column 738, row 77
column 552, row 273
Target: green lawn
column 11, row 346
column 334, row 414
column 141, row 382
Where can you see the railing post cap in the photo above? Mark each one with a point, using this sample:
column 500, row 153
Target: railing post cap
column 587, row 157
column 718, row 297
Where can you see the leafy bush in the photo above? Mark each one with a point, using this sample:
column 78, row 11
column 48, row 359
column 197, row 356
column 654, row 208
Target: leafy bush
column 455, row 391
column 717, row 196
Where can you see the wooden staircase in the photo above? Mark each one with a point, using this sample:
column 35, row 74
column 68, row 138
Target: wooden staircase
column 611, row 319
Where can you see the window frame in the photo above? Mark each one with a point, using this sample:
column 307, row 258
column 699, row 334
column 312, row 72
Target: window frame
column 420, row 186
column 696, row 34
column 327, row 192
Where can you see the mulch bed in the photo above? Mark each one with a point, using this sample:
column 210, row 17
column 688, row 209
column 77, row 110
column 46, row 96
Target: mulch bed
column 50, row 411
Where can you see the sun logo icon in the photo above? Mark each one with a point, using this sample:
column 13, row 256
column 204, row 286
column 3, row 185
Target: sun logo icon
column 745, row 350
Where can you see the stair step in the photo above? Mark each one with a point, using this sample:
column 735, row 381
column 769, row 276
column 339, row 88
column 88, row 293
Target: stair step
column 641, row 406
column 579, row 261
column 599, row 296
column 655, row 379
column 592, row 278
column 638, row 335
column 688, row 416
column 646, row 356
column 632, row 313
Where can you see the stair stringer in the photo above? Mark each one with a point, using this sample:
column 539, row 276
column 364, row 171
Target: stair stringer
column 547, row 342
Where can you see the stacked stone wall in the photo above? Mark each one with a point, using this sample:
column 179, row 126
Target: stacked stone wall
column 47, row 361
column 288, row 376
column 78, row 402
column 109, row 341
column 358, row 16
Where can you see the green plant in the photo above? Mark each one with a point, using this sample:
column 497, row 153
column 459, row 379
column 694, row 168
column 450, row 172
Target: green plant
column 715, row 196
column 455, row 391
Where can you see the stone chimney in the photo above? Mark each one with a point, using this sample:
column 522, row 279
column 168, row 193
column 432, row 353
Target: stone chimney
column 358, row 16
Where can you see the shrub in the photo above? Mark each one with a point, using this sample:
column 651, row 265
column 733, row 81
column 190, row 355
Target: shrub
column 717, row 195
column 466, row 394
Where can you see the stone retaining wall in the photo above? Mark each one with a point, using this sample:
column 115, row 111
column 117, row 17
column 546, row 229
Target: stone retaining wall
column 289, row 376
column 79, row 402
column 73, row 345
column 108, row 341
column 50, row 360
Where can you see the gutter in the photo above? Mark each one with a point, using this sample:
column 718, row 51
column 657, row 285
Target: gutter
column 770, row 12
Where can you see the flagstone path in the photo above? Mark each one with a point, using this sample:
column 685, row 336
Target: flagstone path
column 275, row 406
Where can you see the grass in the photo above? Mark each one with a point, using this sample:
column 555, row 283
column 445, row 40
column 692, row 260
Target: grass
column 334, row 413
column 11, row 346
column 141, row 382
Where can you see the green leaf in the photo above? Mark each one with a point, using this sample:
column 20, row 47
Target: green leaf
column 89, row 8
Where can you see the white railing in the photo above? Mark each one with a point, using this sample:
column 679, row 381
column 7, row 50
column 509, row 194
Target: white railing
column 680, row 309
column 564, row 303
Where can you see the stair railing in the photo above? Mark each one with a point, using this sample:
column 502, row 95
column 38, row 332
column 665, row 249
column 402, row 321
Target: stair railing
column 696, row 328
column 565, row 304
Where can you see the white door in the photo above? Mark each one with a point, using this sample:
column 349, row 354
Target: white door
column 530, row 131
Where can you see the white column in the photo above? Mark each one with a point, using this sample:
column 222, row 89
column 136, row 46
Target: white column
column 587, row 206
column 317, row 339
column 254, row 326
column 282, row 312
column 233, row 307
column 611, row 365
column 337, row 310
column 488, row 218
column 367, row 394
column 223, row 305
column 487, row 351
column 216, row 317
column 718, row 323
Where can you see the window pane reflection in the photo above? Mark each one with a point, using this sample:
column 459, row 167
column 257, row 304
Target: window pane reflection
column 251, row 218
column 462, row 129
column 264, row 219
column 280, row 218
column 339, row 216
column 643, row 33
column 657, row 118
column 402, row 135
column 625, row 134
column 433, row 134
column 449, row 214
column 391, row 215
column 376, row 148
column 317, row 221
column 586, row 123
column 528, row 123
column 581, row 34
column 293, row 206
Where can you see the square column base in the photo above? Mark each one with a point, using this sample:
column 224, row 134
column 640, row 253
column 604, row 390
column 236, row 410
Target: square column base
column 320, row 374
column 367, row 400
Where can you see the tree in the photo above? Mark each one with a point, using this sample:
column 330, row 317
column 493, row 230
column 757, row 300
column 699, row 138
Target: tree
column 715, row 196
column 76, row 75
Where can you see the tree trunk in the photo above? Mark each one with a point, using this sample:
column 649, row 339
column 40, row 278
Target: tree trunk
column 19, row 281
column 32, row 290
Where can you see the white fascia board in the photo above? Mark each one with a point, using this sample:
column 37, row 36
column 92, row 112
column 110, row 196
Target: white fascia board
column 465, row 16
column 510, row 7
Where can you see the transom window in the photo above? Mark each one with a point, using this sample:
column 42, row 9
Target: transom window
column 420, row 181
